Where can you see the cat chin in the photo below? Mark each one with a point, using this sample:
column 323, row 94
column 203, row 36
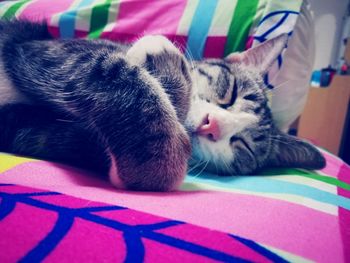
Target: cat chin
column 113, row 173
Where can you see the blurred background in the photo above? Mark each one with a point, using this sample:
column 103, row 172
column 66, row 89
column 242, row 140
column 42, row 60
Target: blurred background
column 326, row 117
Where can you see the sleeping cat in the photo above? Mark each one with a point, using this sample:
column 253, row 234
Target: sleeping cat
column 132, row 112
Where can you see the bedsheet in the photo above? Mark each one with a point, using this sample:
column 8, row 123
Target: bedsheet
column 56, row 213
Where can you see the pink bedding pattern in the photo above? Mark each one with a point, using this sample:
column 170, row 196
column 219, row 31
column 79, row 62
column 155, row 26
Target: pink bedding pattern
column 57, row 213
column 41, row 225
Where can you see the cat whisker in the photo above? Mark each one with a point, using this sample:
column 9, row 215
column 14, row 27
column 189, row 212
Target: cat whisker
column 188, row 53
column 271, row 92
column 201, row 171
column 226, row 164
column 190, row 58
column 64, row 120
column 196, row 166
column 281, row 141
column 216, row 168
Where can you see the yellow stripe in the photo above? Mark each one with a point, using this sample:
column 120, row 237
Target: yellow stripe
column 8, row 162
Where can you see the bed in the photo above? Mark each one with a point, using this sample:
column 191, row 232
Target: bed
column 56, row 213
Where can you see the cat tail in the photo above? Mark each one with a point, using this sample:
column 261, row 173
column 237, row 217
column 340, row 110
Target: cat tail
column 19, row 31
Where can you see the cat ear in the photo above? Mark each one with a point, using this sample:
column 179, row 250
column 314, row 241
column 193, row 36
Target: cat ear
column 290, row 151
column 261, row 57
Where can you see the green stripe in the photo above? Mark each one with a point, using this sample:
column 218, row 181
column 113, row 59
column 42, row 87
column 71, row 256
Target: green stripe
column 318, row 177
column 13, row 9
column 99, row 19
column 240, row 25
column 329, row 180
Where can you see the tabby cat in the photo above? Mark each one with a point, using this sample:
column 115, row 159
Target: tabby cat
column 132, row 112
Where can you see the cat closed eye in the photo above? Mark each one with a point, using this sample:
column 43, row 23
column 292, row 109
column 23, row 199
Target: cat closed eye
column 231, row 96
column 251, row 97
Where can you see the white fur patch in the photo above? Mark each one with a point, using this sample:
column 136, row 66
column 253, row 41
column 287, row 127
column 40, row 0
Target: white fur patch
column 113, row 173
column 149, row 45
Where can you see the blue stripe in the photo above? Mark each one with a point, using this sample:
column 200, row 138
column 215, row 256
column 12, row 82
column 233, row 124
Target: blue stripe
column 67, row 20
column 259, row 249
column 100, row 208
column 6, row 207
column 277, row 13
column 135, row 250
column 279, row 60
column 267, row 82
column 199, row 28
column 62, row 226
column 160, row 225
column 265, row 185
column 276, row 26
column 191, row 247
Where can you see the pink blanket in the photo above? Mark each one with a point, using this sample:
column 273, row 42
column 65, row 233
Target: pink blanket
column 57, row 213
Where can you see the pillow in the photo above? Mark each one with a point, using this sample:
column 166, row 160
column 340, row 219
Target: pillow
column 291, row 82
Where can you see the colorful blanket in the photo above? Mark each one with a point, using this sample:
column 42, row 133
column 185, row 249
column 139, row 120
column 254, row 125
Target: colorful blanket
column 208, row 28
column 56, row 213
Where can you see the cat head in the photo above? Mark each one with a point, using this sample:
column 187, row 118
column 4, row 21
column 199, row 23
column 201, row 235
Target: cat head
column 230, row 123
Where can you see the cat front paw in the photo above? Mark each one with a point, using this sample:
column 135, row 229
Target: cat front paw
column 147, row 145
column 159, row 166
column 161, row 59
column 150, row 46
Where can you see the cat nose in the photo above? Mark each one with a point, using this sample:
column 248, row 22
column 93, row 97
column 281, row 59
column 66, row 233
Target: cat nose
column 209, row 128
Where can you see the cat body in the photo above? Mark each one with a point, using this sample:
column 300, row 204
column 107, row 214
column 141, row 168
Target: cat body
column 89, row 104
column 131, row 111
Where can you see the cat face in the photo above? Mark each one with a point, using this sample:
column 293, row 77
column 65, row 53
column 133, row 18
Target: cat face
column 230, row 123
column 229, row 118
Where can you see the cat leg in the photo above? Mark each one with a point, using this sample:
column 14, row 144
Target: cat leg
column 120, row 103
column 36, row 132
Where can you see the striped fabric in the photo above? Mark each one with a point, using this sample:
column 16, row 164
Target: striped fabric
column 290, row 214
column 209, row 28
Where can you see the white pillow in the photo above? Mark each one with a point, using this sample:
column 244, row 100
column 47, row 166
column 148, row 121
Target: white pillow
column 292, row 81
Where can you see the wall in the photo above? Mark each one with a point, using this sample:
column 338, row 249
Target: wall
column 329, row 20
